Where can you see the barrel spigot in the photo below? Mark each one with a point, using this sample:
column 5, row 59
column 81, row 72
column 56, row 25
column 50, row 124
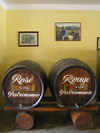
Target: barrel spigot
column 76, row 105
column 20, row 105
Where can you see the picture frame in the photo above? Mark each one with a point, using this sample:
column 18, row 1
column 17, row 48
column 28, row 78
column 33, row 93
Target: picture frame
column 98, row 43
column 28, row 39
column 68, row 31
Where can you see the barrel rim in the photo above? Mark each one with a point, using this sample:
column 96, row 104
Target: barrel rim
column 11, row 104
column 95, row 88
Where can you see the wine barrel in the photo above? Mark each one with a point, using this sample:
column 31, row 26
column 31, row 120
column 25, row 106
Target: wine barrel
column 72, row 83
column 24, row 84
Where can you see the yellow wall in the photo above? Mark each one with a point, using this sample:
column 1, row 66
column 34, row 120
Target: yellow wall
column 49, row 50
column 2, row 47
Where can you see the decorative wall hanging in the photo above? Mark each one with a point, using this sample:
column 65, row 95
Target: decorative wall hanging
column 28, row 39
column 98, row 43
column 68, row 31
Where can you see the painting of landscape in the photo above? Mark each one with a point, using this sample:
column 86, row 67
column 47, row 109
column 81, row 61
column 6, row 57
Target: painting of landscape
column 28, row 38
column 68, row 31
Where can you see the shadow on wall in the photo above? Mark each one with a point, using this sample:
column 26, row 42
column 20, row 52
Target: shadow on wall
column 2, row 71
column 87, row 56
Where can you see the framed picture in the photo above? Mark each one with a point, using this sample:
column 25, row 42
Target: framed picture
column 68, row 31
column 28, row 39
column 98, row 43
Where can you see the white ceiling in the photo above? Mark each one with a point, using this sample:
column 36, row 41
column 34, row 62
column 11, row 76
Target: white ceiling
column 85, row 2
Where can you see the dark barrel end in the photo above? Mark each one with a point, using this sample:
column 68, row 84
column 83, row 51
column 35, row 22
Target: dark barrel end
column 72, row 82
column 24, row 84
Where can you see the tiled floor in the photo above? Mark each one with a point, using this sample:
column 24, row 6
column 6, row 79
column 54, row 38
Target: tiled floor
column 47, row 122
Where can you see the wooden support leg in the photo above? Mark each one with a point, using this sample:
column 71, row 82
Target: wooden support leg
column 24, row 120
column 81, row 119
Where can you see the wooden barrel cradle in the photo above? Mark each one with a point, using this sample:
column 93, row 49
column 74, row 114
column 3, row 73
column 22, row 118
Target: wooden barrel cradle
column 24, row 120
column 72, row 82
column 82, row 120
column 24, row 84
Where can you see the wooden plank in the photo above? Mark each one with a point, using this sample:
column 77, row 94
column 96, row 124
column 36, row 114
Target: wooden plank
column 53, row 107
column 50, row 104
